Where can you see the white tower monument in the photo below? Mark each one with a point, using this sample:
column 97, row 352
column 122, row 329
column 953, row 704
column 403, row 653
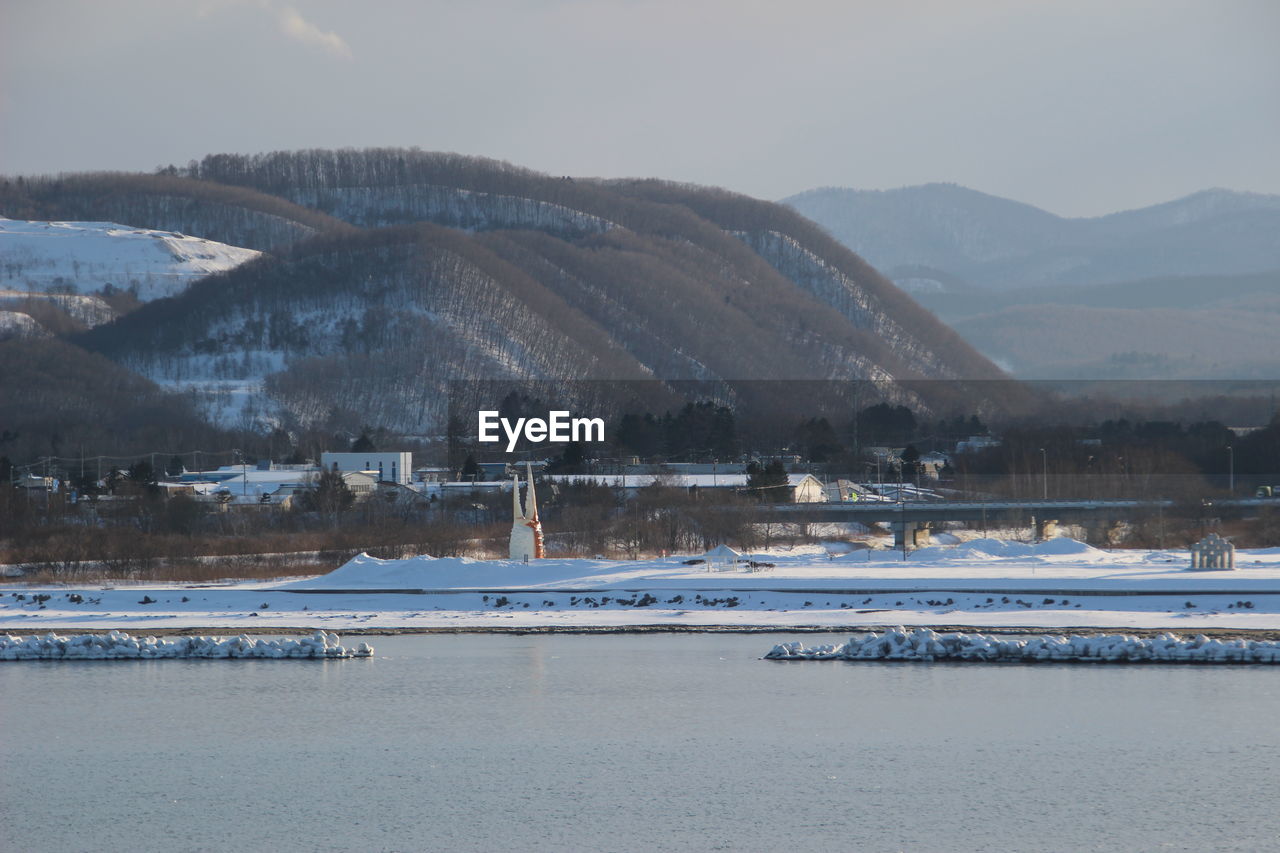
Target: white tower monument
column 526, row 529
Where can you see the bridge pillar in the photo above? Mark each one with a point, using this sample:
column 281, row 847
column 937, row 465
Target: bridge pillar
column 1102, row 532
column 1046, row 528
column 916, row 534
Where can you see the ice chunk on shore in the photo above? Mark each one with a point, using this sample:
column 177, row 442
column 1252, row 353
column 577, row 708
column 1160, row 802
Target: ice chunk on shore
column 923, row 644
column 118, row 645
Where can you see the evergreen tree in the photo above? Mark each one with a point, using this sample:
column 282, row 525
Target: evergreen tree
column 142, row 472
column 175, row 468
column 910, row 462
column 818, row 440
column 330, row 497
column 571, row 460
column 470, row 470
column 885, row 424
column 769, row 483
column 641, row 435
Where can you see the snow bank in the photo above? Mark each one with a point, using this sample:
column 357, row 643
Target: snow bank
column 1063, row 545
column 988, row 549
column 923, row 644
column 120, row 646
column 365, row 572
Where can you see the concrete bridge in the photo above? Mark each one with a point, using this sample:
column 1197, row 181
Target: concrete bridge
column 912, row 519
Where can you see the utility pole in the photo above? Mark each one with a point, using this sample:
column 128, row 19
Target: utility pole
column 1231, row 471
column 1044, row 457
column 902, row 498
column 857, row 454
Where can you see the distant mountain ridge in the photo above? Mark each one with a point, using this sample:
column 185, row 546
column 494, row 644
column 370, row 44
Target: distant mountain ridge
column 995, row 243
column 1187, row 289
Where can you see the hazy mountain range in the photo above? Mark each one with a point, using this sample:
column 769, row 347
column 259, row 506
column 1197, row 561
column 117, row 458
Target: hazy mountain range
column 1185, row 289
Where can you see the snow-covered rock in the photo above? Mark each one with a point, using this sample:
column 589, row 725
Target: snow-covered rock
column 922, row 644
column 118, row 645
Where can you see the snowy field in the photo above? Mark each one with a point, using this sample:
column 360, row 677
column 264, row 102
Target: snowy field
column 982, row 583
column 90, row 255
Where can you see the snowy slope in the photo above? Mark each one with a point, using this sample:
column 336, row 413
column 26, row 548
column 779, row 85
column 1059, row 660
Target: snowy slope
column 82, row 257
column 15, row 324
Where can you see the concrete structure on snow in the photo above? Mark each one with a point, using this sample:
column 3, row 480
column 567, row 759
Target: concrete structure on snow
column 526, row 528
column 1213, row 552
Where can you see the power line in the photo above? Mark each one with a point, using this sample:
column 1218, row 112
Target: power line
column 47, row 461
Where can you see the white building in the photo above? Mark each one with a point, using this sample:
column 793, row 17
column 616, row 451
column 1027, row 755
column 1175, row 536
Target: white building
column 395, row 467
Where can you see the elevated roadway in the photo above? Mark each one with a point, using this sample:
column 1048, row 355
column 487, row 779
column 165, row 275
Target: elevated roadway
column 913, row 518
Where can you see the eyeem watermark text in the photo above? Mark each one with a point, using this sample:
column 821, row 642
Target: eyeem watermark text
column 558, row 426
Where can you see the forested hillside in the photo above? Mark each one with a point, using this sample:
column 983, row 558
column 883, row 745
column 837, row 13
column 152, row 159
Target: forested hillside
column 237, row 216
column 392, row 276
column 57, row 399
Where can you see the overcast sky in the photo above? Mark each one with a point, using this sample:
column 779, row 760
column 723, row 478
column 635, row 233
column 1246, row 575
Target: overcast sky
column 1079, row 107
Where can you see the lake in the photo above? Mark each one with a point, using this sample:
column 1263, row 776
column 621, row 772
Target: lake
column 681, row 742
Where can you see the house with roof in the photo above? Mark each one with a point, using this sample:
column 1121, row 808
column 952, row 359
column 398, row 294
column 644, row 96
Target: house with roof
column 847, row 491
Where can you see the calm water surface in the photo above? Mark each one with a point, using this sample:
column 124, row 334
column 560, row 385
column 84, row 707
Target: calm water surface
column 633, row 743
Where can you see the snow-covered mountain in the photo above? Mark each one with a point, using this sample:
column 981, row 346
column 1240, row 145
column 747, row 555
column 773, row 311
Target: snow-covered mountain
column 452, row 269
column 394, row 277
column 86, row 257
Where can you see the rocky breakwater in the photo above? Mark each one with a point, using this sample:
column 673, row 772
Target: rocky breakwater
column 118, row 645
column 922, row 644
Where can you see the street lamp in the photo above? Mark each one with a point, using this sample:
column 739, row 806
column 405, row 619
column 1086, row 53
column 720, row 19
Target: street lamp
column 1044, row 477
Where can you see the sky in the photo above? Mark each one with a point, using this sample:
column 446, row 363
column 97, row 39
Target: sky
column 1081, row 108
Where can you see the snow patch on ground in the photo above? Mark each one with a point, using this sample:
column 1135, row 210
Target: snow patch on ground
column 986, row 549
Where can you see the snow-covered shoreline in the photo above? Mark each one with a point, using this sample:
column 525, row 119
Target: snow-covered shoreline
column 992, row 584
